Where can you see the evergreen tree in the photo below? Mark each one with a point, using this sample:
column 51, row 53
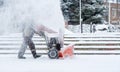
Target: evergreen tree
column 70, row 10
column 93, row 11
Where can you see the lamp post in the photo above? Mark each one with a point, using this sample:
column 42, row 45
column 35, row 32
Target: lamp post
column 109, row 17
column 80, row 17
column 117, row 12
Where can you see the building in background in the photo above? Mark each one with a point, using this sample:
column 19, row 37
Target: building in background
column 114, row 6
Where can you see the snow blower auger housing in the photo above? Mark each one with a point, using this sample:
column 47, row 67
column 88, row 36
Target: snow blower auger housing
column 54, row 47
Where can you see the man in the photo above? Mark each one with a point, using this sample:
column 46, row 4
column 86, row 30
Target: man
column 47, row 17
column 28, row 33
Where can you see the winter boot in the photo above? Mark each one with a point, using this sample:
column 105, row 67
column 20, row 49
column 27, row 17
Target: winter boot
column 22, row 57
column 34, row 54
column 33, row 50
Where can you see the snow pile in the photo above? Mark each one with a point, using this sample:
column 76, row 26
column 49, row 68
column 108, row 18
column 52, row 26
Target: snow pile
column 101, row 28
column 68, row 32
column 93, row 28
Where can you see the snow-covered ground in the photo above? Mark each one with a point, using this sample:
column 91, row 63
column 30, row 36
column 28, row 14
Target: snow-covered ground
column 17, row 11
column 83, row 63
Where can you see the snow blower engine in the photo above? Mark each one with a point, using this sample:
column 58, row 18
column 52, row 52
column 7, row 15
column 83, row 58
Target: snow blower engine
column 54, row 47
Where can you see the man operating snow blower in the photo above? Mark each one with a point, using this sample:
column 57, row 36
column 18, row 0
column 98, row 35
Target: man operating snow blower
column 45, row 19
column 54, row 42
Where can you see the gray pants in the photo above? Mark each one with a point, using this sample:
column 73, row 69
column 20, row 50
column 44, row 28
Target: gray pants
column 27, row 41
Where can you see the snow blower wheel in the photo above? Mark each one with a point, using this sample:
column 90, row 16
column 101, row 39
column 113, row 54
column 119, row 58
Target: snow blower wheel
column 53, row 53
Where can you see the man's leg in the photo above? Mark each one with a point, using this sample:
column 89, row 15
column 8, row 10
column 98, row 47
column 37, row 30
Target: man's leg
column 29, row 42
column 32, row 48
column 22, row 50
column 27, row 35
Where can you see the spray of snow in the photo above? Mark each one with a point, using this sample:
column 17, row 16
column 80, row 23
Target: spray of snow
column 15, row 13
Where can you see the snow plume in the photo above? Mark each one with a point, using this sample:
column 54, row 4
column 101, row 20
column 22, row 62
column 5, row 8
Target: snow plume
column 15, row 13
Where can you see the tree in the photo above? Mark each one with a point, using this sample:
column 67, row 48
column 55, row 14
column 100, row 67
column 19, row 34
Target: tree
column 93, row 11
column 70, row 10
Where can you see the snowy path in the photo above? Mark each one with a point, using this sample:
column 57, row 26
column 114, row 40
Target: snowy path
column 84, row 43
column 79, row 63
column 76, row 64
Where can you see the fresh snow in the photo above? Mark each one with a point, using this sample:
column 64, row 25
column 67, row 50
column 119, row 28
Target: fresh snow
column 83, row 63
column 17, row 11
column 77, row 63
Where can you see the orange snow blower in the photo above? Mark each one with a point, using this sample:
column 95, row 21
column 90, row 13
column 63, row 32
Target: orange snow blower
column 56, row 52
column 68, row 51
column 56, row 48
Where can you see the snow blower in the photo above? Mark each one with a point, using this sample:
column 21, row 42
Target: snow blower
column 56, row 48
column 56, row 52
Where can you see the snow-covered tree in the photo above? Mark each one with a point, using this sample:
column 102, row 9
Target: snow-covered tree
column 70, row 10
column 93, row 11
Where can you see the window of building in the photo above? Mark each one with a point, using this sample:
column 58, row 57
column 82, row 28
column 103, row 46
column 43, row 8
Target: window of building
column 113, row 12
column 119, row 13
column 118, row 0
